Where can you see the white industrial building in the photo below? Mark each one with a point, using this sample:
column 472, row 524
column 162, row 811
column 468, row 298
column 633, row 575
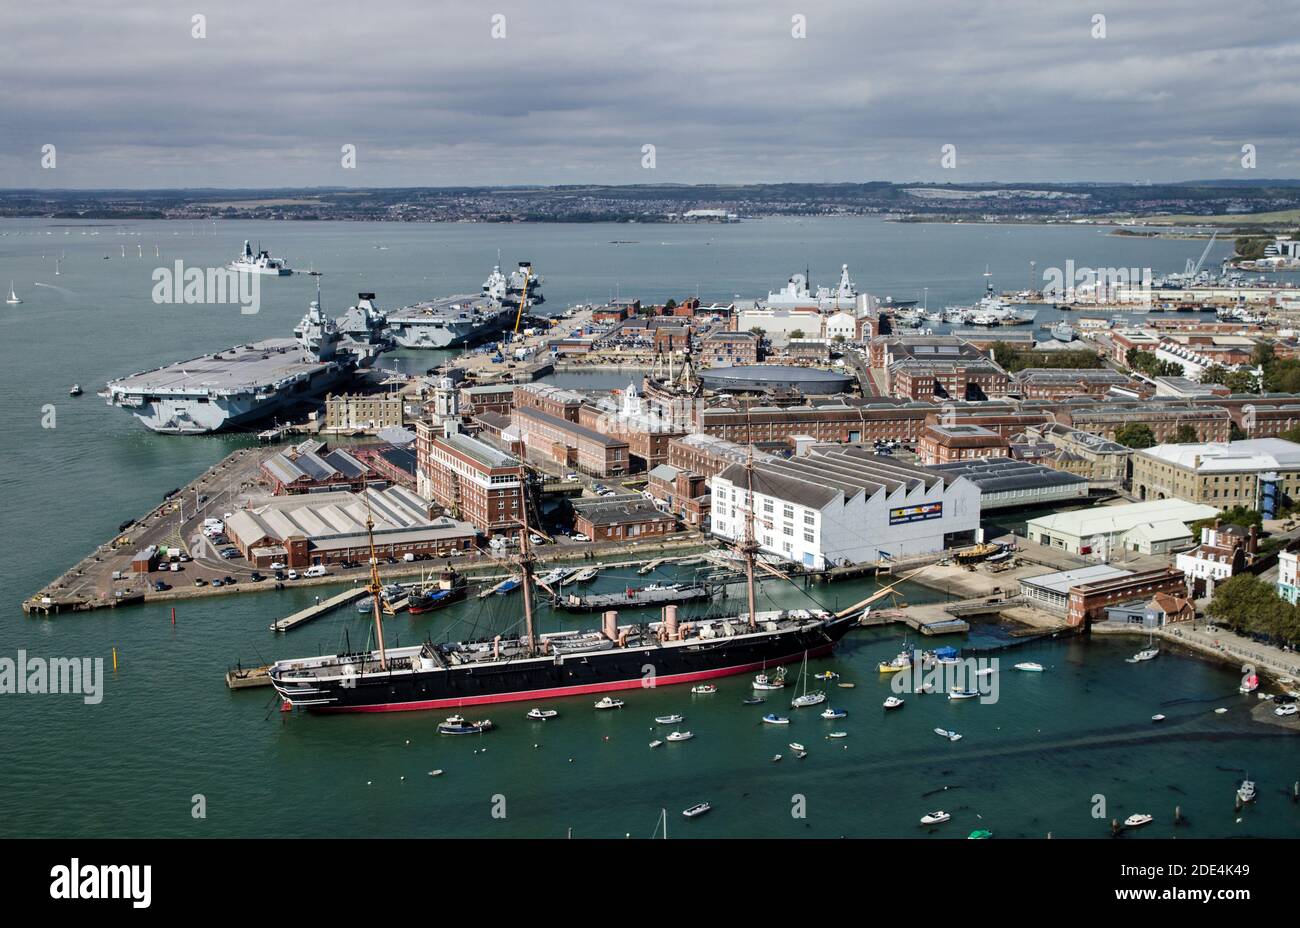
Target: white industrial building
column 844, row 506
column 1152, row 527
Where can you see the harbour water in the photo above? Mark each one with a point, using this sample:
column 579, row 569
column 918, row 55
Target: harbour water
column 168, row 729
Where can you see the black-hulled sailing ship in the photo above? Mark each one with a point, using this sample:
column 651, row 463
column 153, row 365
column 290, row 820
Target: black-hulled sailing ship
column 534, row 666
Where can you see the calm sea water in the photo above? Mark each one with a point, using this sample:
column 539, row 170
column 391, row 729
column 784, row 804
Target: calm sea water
column 168, row 729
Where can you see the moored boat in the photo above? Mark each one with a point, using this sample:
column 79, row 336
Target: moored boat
column 1029, row 666
column 935, row 818
column 542, row 715
column 609, row 702
column 456, row 725
column 893, row 702
column 697, row 810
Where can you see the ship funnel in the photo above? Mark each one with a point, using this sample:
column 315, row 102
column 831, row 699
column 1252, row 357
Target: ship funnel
column 670, row 621
column 610, row 625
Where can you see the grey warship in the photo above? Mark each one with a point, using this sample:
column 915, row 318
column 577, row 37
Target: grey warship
column 249, row 382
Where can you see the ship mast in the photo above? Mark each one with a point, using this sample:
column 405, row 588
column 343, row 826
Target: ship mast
column 526, row 568
column 749, row 547
column 375, row 588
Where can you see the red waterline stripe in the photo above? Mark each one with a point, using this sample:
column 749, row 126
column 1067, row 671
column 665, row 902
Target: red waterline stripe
column 572, row 690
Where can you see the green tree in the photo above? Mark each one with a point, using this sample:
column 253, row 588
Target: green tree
column 1185, row 434
column 1245, row 603
column 1135, row 435
column 797, row 333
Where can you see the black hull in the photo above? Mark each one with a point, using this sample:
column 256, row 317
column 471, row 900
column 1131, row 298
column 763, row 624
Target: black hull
column 575, row 674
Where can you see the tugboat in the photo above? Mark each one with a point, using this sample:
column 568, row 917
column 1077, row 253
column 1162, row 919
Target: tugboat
column 450, row 588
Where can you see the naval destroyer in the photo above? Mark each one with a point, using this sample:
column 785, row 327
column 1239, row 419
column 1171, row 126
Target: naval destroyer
column 249, row 382
column 453, row 321
column 260, row 262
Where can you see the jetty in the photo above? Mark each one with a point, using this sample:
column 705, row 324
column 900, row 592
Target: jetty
column 311, row 612
column 240, row 678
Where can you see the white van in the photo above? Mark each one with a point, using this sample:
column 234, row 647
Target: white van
column 316, row 570
column 408, row 557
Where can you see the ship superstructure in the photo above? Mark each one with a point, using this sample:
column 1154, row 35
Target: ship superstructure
column 249, row 382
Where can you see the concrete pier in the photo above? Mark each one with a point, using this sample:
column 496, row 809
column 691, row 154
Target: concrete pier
column 322, row 607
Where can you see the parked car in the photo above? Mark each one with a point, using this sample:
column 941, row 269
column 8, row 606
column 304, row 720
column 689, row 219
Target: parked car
column 293, row 575
column 199, row 581
column 217, row 581
column 256, row 577
column 279, row 575
column 159, row 586
column 578, row 536
column 276, row 565
column 228, row 581
column 228, row 553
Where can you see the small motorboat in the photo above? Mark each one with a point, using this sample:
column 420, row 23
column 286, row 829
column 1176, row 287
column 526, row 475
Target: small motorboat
column 668, row 719
column 655, row 743
column 76, row 390
column 829, row 713
column 773, row 719
column 950, row 735
column 985, row 672
column 801, row 754
column 1157, row 717
column 901, row 662
column 698, row 809
column 609, row 702
column 764, row 682
column 436, row 773
column 775, row 758
column 1138, row 819
column 796, row 747
column 935, row 818
column 807, row 699
column 826, row 675
column 893, row 702
column 752, row 701
column 704, row 689
column 681, row 736
column 837, row 735
column 1220, row 711
column 979, row 834
column 846, row 686
column 456, row 725
column 1029, row 667
column 963, row 694
column 541, row 715
column 1246, row 791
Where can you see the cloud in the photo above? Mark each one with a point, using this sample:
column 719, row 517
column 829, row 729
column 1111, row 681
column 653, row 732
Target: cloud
column 577, row 87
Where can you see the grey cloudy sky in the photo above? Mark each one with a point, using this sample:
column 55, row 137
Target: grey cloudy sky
column 577, row 87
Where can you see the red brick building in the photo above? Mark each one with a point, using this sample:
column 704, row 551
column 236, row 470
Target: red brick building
column 943, row 444
column 470, row 479
column 1087, row 602
column 622, row 520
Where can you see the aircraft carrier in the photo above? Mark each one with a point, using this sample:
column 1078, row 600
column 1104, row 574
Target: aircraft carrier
column 454, row 321
column 250, row 382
